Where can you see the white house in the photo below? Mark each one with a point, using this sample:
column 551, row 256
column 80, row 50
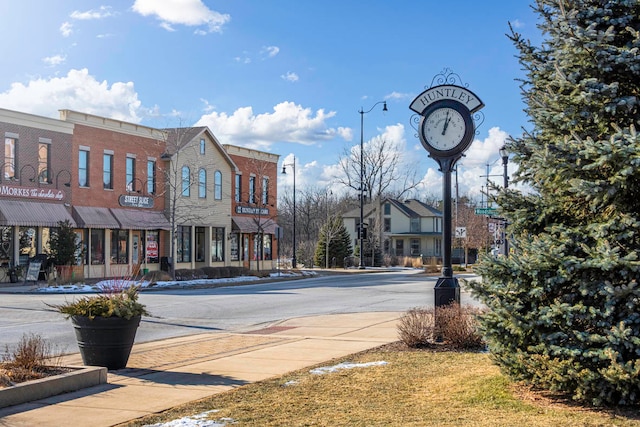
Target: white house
column 406, row 228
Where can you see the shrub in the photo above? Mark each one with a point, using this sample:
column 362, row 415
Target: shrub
column 32, row 353
column 416, row 327
column 458, row 325
column 122, row 304
column 454, row 325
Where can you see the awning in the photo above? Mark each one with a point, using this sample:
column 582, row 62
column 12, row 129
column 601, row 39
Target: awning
column 141, row 219
column 34, row 214
column 93, row 217
column 250, row 225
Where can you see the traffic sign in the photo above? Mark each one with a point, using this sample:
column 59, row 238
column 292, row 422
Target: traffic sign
column 486, row 211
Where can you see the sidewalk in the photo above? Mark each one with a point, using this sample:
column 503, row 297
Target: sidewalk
column 167, row 373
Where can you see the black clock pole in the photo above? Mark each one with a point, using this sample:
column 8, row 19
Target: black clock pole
column 447, row 289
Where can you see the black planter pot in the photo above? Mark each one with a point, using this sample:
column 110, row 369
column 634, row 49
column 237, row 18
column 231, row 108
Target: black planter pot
column 105, row 341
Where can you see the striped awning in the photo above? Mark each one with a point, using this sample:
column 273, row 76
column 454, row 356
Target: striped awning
column 251, row 225
column 33, row 214
column 93, row 217
column 141, row 219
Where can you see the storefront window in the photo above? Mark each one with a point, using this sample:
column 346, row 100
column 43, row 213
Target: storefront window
column 200, row 244
column 153, row 247
column 82, row 256
column 266, row 246
column 235, row 250
column 184, row 244
column 97, row 247
column 119, row 246
column 6, row 245
column 217, row 244
column 28, row 243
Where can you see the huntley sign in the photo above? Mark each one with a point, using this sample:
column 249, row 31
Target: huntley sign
column 450, row 92
column 31, row 193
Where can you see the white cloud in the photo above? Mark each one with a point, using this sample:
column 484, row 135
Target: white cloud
column 290, row 77
column 288, row 122
column 191, row 13
column 270, row 51
column 54, row 60
column 78, row 90
column 102, row 12
column 66, row 29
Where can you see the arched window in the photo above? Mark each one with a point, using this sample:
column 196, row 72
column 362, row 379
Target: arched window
column 202, row 183
column 186, row 181
column 217, row 185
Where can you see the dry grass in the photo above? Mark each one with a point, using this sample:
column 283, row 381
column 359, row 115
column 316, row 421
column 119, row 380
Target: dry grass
column 31, row 359
column 415, row 388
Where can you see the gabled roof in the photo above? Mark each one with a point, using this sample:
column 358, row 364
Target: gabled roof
column 178, row 138
column 412, row 208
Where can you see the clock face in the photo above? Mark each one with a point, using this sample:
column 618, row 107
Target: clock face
column 444, row 128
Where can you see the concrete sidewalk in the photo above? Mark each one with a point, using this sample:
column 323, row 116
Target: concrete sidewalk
column 167, row 373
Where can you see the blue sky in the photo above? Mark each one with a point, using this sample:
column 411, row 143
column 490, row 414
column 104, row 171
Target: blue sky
column 284, row 76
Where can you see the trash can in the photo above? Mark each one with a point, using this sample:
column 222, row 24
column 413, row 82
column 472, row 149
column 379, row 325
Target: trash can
column 165, row 263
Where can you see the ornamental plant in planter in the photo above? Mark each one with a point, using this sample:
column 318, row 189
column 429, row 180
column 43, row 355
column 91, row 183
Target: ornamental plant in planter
column 105, row 326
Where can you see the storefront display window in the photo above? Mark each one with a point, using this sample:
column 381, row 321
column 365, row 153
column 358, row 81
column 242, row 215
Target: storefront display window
column 97, row 247
column 217, row 244
column 119, row 246
column 184, row 244
column 153, row 247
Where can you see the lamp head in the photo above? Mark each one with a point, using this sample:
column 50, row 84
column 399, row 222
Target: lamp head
column 503, row 152
column 284, row 170
column 384, row 106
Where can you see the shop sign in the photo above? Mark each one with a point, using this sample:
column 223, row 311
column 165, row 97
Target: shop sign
column 131, row 201
column 251, row 210
column 31, row 193
column 152, row 249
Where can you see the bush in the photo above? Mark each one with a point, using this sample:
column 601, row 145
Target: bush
column 454, row 325
column 32, row 353
column 416, row 328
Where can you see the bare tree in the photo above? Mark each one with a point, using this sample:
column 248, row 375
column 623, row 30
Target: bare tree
column 385, row 172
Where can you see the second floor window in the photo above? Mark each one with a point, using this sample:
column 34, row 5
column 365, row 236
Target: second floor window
column 252, row 189
column 238, row 190
column 202, row 183
column 44, row 158
column 107, row 171
column 151, row 177
column 10, row 158
column 186, row 181
column 83, row 168
column 265, row 190
column 202, row 146
column 217, row 185
column 414, row 225
column 131, row 174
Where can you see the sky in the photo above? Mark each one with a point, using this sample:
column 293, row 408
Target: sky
column 285, row 76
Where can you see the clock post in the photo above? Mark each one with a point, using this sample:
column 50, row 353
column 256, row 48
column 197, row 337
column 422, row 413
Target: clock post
column 446, row 131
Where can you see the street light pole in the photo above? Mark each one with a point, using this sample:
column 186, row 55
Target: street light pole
column 505, row 161
column 361, row 225
column 294, row 262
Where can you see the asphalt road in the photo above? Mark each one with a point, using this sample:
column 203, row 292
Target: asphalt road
column 179, row 312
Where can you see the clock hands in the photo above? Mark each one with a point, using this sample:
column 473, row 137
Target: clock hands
column 447, row 119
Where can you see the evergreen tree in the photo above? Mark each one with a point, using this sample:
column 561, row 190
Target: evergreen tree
column 336, row 235
column 565, row 303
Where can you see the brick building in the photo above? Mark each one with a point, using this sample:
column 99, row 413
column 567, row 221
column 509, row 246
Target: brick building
column 253, row 239
column 140, row 198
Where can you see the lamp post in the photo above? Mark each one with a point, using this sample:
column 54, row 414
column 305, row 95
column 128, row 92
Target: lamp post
column 505, row 161
column 361, row 225
column 284, row 171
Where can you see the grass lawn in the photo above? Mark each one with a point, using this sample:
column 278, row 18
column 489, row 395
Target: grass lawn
column 414, row 388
